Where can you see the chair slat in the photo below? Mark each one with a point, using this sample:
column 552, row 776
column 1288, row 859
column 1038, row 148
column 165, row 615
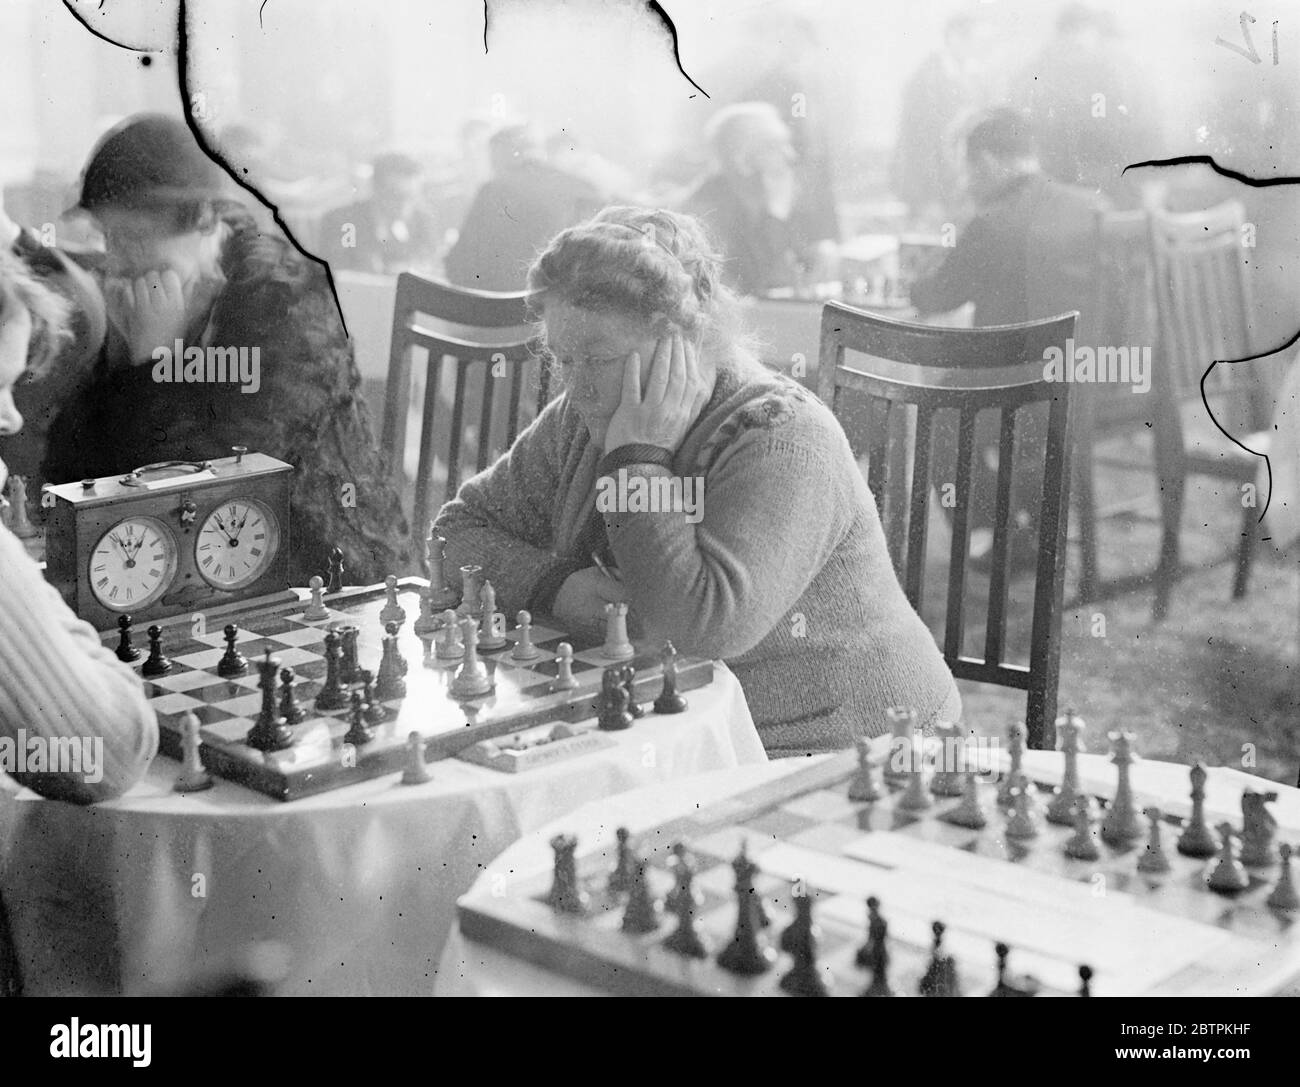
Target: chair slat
column 918, row 517
column 953, row 632
column 995, row 630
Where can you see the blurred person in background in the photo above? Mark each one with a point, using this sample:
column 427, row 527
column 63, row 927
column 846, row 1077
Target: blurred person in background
column 946, row 89
column 753, row 204
column 526, row 203
column 388, row 233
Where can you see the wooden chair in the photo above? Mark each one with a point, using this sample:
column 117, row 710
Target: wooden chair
column 482, row 383
column 1204, row 307
column 909, row 374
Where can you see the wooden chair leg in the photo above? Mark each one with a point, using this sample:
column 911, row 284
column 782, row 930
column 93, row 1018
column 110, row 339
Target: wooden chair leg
column 1086, row 508
column 1245, row 553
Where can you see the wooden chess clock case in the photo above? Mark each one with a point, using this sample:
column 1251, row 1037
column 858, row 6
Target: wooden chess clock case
column 170, row 538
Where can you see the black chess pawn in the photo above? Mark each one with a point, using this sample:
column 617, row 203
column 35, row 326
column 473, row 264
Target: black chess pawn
column 389, row 683
column 685, row 940
column 156, row 664
column 566, row 895
column 270, row 732
column 125, row 650
column 233, row 662
column 391, row 630
column 669, row 701
column 620, row 880
column 1006, row 986
column 940, row 978
column 358, row 732
column 336, row 571
column 1085, row 981
column 349, row 664
column 746, row 954
column 874, row 954
column 334, row 694
column 800, row 941
column 376, row 714
column 628, row 674
column 612, row 713
column 289, row 708
column 642, row 913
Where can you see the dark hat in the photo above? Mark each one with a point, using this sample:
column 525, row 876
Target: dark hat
column 147, row 161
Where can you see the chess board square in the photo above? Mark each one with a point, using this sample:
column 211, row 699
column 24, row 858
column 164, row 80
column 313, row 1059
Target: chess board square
column 313, row 668
column 596, row 658
column 217, row 636
column 272, row 626
column 718, row 880
column 725, row 843
column 179, row 679
column 206, row 660
column 295, row 655
column 250, row 680
column 211, row 715
column 248, row 705
column 303, row 636
column 227, row 730
column 826, row 837
column 822, row 804
column 175, row 703
column 222, row 691
column 779, row 824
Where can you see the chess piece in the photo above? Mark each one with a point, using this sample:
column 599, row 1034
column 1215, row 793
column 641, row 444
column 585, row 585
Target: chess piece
column 491, row 636
column 563, row 680
column 916, row 795
column 669, row 701
column 642, row 913
column 1023, row 820
column 1228, row 874
column 358, row 732
column 940, row 977
column 1283, row 896
column 270, row 732
column 800, row 941
column 472, row 677
column 392, row 611
column 1024, row 986
column 416, row 772
column 193, row 776
column 620, row 880
column 565, row 895
column 156, row 664
column 289, row 708
column 617, row 646
column 125, row 650
column 1121, row 825
column 349, row 664
column 336, row 570
column 612, row 714
column 316, row 611
column 1085, row 981
column 426, row 624
column 471, row 584
column 874, row 954
column 449, row 645
column 970, row 812
column 389, row 683
column 439, row 594
column 375, row 712
column 1258, row 829
column 866, row 786
column 524, row 649
column 747, row 953
column 1153, row 860
column 334, row 694
column 232, row 663
column 683, row 902
column 1016, row 735
column 902, row 744
column 1083, row 846
column 1061, row 808
column 628, row 675
column 950, row 761
column 1197, row 839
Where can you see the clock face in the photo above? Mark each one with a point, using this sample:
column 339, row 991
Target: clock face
column 236, row 543
column 132, row 564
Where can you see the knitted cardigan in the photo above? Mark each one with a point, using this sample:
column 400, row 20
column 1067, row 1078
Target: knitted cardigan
column 786, row 577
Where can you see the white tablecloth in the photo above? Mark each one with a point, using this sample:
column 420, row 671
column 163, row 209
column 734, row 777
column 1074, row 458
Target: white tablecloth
column 359, row 884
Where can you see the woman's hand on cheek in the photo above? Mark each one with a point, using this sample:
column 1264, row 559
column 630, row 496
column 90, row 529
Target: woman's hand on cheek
column 675, row 394
column 149, row 310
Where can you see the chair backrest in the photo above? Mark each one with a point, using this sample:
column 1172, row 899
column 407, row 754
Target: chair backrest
column 1202, row 298
column 914, row 380
column 483, row 382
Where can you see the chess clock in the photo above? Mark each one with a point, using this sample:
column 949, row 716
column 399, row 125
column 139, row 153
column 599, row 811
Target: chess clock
column 168, row 538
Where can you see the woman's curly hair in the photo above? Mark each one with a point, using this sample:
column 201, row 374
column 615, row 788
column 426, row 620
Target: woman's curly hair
column 51, row 312
column 648, row 264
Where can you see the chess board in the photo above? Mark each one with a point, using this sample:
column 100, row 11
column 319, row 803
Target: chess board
column 1139, row 934
column 320, row 760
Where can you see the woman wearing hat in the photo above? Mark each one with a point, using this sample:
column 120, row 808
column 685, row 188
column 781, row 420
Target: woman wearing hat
column 185, row 266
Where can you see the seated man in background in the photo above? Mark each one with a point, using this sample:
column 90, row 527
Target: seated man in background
column 1028, row 253
column 391, row 232
column 752, row 204
column 184, row 265
column 513, row 216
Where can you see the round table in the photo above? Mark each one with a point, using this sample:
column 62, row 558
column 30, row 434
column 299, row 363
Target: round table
column 146, row 893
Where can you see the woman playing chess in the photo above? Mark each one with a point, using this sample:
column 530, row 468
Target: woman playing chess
column 780, row 569
column 58, row 682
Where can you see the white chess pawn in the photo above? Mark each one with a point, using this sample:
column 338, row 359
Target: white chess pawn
column 426, row 623
column 617, row 646
column 316, row 610
column 866, row 786
column 472, row 677
column 524, row 649
column 449, row 647
column 1153, row 860
column 193, row 777
column 416, row 772
column 902, row 745
column 490, row 635
column 563, row 680
column 970, row 812
column 392, row 611
column 1283, row 896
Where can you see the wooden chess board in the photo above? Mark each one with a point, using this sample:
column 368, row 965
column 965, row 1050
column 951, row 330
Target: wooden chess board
column 319, row 760
column 1140, row 934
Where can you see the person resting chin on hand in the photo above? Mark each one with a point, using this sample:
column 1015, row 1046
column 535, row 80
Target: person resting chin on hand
column 724, row 494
